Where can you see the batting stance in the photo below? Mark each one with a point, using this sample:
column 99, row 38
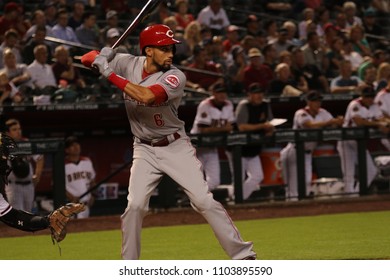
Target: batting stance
column 152, row 89
column 22, row 220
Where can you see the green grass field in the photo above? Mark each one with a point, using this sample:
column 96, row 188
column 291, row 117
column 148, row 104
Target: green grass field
column 325, row 237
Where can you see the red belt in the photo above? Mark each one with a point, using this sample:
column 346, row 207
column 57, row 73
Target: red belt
column 162, row 142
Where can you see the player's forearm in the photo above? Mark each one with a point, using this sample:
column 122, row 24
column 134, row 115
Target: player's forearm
column 139, row 93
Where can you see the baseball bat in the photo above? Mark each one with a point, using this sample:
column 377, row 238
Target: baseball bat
column 143, row 14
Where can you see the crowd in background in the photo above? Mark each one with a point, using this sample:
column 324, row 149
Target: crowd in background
column 289, row 47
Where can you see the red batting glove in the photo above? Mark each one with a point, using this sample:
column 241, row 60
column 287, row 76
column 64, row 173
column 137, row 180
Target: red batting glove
column 88, row 58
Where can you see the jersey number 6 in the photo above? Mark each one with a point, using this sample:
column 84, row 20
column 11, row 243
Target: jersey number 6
column 158, row 120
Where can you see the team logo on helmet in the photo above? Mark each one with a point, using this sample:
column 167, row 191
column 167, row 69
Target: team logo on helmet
column 173, row 81
column 169, row 33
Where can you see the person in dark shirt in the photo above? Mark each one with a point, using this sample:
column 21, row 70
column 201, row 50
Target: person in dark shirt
column 252, row 115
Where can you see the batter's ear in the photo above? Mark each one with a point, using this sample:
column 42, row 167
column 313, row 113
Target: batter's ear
column 148, row 51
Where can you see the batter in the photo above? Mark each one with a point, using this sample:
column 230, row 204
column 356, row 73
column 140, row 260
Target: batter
column 152, row 89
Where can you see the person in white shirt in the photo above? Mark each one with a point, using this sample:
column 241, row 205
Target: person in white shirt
column 361, row 112
column 79, row 175
column 312, row 116
column 214, row 114
column 214, row 16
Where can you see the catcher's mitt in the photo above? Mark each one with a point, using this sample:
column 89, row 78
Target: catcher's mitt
column 59, row 218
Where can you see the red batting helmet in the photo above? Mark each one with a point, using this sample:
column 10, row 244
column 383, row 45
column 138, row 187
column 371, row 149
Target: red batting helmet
column 156, row 35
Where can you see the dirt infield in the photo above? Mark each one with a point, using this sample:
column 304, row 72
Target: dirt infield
column 183, row 216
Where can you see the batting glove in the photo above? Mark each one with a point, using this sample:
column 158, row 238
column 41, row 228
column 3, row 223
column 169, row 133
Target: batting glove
column 102, row 64
column 109, row 53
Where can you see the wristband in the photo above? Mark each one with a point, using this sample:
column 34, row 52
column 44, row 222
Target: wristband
column 118, row 81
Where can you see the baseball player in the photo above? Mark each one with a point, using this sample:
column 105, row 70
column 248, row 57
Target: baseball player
column 23, row 178
column 382, row 99
column 252, row 114
column 152, row 89
column 214, row 114
column 79, row 175
column 361, row 112
column 312, row 116
column 25, row 221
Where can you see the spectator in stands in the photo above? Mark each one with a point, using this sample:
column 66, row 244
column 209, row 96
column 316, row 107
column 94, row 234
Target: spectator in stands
column 214, row 16
column 358, row 40
column 232, row 38
column 248, row 42
column 7, row 89
column 252, row 115
column 331, row 32
column 88, row 33
column 198, row 80
column 282, row 43
column 284, row 84
column 22, row 181
column 80, row 176
column 361, row 112
column 322, row 17
column 38, row 39
column 182, row 15
column 256, row 71
column 252, row 24
column 236, row 70
column 215, row 114
column 76, row 17
column 42, row 77
column 61, row 30
column 64, row 71
column 350, row 10
column 192, row 34
column 382, row 77
column 285, row 57
column 292, row 37
column 341, row 21
column 376, row 59
column 372, row 27
column 349, row 54
column 334, row 56
column 312, row 116
column 50, row 10
column 270, row 56
column 16, row 72
column 162, row 12
column 11, row 41
column 315, row 79
column 314, row 52
column 308, row 15
column 271, row 28
column 346, row 82
column 111, row 22
column 112, row 36
column 11, row 20
column 38, row 19
column 120, row 6
column 369, row 75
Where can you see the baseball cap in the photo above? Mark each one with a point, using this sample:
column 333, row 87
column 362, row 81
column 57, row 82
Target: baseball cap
column 314, row 96
column 255, row 88
column 251, row 18
column 218, row 88
column 112, row 32
column 232, row 28
column 110, row 14
column 11, row 6
column 370, row 12
column 69, row 141
column 253, row 52
column 368, row 92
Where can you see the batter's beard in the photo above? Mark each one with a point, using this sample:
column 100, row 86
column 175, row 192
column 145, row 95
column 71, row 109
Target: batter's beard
column 161, row 67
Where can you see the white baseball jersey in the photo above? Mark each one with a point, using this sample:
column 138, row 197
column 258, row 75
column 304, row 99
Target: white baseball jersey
column 208, row 114
column 348, row 149
column 302, row 116
column 79, row 177
column 382, row 99
column 356, row 108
